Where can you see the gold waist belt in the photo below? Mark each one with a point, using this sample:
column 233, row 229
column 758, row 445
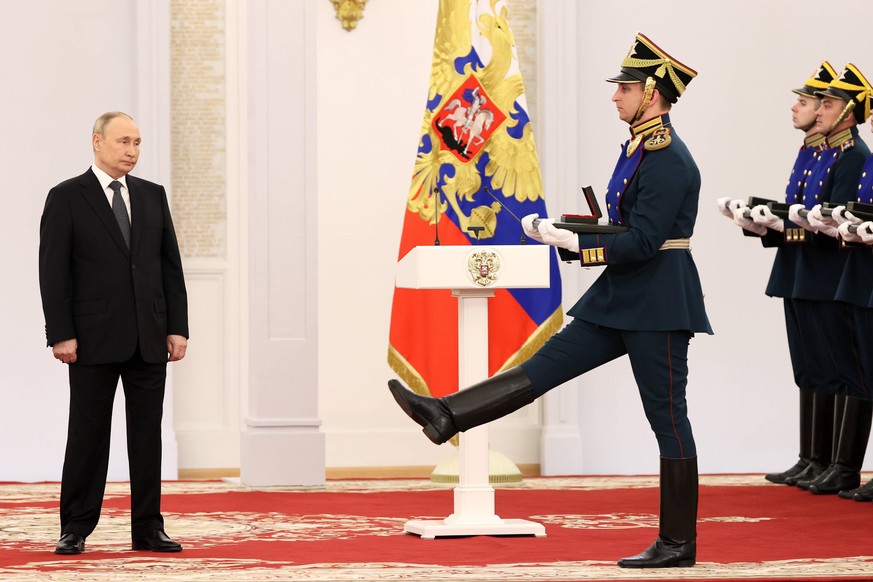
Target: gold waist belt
column 676, row 243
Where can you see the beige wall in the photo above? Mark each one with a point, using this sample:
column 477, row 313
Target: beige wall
column 198, row 126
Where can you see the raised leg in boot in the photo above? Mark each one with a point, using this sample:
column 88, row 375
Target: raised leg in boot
column 442, row 418
column 676, row 545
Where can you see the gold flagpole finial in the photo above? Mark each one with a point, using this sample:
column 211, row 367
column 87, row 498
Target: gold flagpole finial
column 349, row 12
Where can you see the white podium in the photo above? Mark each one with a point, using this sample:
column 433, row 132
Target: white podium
column 472, row 273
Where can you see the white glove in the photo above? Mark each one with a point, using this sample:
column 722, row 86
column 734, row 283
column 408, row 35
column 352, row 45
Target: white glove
column 558, row 237
column 843, row 230
column 745, row 223
column 817, row 223
column 762, row 215
column 819, row 218
column 841, row 215
column 865, row 231
column 794, row 216
column 723, row 205
column 529, row 230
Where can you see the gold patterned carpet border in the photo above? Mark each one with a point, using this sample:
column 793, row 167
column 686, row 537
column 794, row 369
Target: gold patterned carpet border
column 28, row 528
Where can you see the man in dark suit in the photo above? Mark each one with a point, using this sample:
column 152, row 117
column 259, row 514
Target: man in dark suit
column 647, row 304
column 115, row 306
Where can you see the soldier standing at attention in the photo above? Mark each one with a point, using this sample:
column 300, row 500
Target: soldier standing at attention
column 647, row 304
column 816, row 407
column 824, row 316
column 853, row 292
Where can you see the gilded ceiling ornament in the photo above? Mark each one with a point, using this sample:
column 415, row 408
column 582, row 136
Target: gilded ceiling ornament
column 349, row 12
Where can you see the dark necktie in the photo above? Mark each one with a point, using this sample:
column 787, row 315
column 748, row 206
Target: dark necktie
column 120, row 211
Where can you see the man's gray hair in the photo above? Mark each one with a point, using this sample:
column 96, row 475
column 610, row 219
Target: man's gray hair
column 103, row 121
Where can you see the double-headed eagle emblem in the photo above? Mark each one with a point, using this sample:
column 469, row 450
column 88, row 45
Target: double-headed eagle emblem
column 475, row 123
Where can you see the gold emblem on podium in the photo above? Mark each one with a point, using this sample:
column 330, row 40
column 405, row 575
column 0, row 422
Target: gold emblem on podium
column 484, row 266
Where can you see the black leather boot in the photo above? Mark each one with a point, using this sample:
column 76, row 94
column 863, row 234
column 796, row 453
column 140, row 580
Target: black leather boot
column 676, row 546
column 822, row 441
column 805, row 450
column 862, row 493
column 442, row 418
column 845, row 472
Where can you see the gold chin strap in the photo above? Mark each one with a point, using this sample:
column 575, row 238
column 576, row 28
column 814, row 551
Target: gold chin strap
column 850, row 105
column 647, row 98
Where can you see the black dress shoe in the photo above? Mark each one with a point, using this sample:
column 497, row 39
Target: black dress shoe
column 663, row 553
column 156, row 541
column 70, row 543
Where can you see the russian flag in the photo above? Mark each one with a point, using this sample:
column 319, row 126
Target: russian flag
column 476, row 174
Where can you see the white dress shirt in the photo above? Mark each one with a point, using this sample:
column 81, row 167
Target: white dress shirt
column 105, row 179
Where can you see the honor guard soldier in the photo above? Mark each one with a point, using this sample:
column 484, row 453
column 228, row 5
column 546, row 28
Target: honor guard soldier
column 816, row 406
column 852, row 92
column 647, row 304
column 865, row 347
column 823, row 318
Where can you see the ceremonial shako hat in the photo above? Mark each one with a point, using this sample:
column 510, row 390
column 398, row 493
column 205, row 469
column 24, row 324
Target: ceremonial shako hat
column 854, row 89
column 819, row 80
column 645, row 60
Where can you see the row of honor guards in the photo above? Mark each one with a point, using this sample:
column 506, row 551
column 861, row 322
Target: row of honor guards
column 823, row 271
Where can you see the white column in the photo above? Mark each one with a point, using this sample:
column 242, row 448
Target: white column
column 153, row 116
column 281, row 442
column 558, row 146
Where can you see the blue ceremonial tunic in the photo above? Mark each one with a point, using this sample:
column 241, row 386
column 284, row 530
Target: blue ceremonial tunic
column 648, row 302
column 856, row 288
column 781, row 283
column 654, row 192
column 856, row 282
column 826, row 324
column 834, row 179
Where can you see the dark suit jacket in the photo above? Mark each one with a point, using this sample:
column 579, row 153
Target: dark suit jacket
column 111, row 299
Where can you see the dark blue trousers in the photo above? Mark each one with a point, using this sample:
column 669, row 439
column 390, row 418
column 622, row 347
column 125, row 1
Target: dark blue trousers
column 659, row 360
column 797, row 350
column 827, row 329
column 857, row 358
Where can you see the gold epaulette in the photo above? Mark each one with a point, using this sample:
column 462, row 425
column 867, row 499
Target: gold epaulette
column 659, row 139
column 653, row 134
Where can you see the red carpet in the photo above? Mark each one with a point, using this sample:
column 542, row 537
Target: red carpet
column 353, row 530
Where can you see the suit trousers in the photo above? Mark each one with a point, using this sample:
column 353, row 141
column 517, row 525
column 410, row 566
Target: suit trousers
column 92, row 392
column 659, row 360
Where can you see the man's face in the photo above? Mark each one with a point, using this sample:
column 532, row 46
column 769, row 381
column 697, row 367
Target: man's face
column 627, row 99
column 117, row 152
column 828, row 113
column 803, row 112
